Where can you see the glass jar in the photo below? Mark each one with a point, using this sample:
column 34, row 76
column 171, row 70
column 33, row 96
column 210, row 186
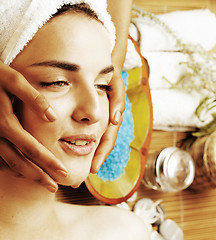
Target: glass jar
column 170, row 170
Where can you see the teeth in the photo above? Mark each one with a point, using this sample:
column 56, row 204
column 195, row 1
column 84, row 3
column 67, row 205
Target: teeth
column 80, row 142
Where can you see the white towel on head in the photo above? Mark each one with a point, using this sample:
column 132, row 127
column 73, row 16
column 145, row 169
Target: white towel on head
column 21, row 19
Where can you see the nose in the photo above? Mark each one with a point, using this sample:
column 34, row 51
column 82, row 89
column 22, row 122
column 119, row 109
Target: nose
column 87, row 108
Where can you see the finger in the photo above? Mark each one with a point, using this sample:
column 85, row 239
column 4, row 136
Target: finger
column 117, row 99
column 15, row 83
column 30, row 147
column 4, row 168
column 105, row 147
column 17, row 163
column 6, row 104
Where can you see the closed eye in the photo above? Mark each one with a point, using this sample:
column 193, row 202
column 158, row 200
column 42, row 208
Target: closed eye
column 55, row 84
column 104, row 87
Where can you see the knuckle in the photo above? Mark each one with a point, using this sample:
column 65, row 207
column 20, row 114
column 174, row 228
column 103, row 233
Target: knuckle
column 123, row 106
column 112, row 146
column 31, row 154
column 40, row 101
column 39, row 98
column 3, row 147
column 16, row 79
column 7, row 121
column 19, row 175
column 16, row 166
column 38, row 179
column 3, row 127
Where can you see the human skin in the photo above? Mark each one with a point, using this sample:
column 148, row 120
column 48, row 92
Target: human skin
column 12, row 136
column 120, row 12
column 28, row 211
column 73, row 82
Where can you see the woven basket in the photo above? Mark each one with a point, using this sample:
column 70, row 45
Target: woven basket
column 203, row 151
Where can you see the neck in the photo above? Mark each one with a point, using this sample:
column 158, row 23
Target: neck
column 24, row 204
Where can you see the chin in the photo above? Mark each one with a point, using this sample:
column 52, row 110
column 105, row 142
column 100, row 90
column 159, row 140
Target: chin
column 72, row 179
column 70, row 182
column 78, row 168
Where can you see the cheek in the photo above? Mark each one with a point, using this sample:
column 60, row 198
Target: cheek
column 105, row 113
column 45, row 132
column 39, row 128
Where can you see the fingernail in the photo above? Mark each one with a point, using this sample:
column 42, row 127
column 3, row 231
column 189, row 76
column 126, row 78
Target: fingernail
column 50, row 114
column 51, row 188
column 62, row 173
column 117, row 117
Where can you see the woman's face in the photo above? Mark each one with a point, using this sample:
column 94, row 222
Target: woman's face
column 69, row 62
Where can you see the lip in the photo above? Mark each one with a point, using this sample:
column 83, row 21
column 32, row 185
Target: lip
column 78, row 150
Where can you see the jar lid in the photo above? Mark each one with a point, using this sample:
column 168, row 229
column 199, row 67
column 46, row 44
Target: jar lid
column 175, row 169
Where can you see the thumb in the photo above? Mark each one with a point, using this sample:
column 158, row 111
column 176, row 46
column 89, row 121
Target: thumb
column 15, row 84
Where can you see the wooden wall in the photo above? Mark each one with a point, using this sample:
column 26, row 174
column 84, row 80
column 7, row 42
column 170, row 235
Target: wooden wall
column 162, row 6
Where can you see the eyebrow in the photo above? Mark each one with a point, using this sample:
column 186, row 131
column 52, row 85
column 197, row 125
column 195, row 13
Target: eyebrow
column 70, row 66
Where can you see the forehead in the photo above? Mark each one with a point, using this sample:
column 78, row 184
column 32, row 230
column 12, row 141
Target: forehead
column 69, row 36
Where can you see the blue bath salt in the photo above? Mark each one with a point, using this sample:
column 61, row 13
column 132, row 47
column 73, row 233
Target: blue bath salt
column 116, row 162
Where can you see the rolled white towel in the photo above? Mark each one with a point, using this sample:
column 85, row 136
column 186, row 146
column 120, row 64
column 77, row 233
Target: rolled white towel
column 175, row 110
column 21, row 19
column 165, row 65
column 194, row 26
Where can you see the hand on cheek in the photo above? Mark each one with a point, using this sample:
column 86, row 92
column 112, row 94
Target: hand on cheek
column 27, row 156
column 117, row 107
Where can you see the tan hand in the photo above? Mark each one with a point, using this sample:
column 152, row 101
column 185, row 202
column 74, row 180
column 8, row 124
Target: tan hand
column 117, row 107
column 20, row 152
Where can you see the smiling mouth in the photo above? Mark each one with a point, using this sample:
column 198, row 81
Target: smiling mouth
column 79, row 147
column 77, row 142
